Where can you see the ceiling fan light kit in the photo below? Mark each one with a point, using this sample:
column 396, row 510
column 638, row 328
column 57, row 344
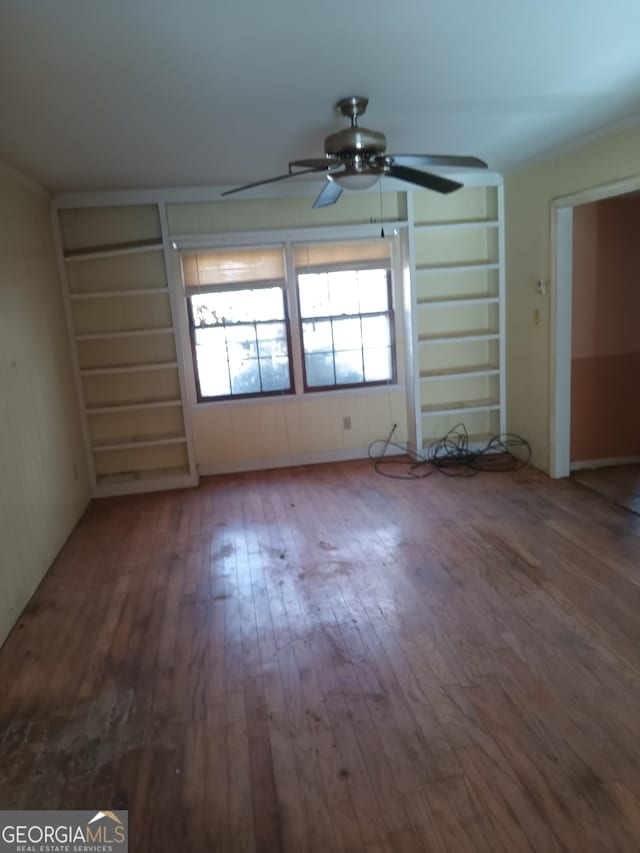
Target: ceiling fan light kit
column 355, row 159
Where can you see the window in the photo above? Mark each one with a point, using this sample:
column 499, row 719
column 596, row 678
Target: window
column 238, row 321
column 239, row 302
column 345, row 319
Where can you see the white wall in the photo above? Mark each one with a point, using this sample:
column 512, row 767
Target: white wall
column 528, row 197
column 43, row 482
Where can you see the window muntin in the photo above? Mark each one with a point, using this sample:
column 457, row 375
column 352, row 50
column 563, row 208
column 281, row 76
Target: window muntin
column 346, row 323
column 240, row 341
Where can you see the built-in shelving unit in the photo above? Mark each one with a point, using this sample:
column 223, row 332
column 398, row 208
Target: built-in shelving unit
column 456, row 352
column 125, row 348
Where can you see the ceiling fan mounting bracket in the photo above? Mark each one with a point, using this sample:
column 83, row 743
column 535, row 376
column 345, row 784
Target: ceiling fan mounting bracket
column 352, row 107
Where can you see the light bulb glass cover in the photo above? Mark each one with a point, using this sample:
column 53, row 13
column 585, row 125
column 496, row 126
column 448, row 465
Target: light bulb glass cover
column 353, row 180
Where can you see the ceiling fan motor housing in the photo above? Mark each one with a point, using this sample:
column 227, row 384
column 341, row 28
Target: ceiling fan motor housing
column 360, row 149
column 355, row 140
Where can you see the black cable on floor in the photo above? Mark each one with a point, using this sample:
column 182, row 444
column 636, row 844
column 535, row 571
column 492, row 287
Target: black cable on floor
column 452, row 456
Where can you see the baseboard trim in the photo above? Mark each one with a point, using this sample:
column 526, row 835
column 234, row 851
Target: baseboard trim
column 263, row 463
column 604, row 463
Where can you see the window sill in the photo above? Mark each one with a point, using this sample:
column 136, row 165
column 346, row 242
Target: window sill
column 293, row 399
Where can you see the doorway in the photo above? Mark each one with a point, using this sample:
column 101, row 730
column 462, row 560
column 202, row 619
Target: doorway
column 589, row 363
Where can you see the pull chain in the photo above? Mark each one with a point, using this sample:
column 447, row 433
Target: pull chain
column 381, row 214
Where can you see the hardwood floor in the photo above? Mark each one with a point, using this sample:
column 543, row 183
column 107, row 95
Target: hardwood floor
column 322, row 659
column 619, row 483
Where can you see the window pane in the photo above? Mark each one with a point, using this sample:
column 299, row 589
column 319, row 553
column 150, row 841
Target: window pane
column 211, row 357
column 349, row 367
column 245, row 376
column 213, row 383
column 347, row 334
column 275, row 374
column 313, row 289
column 377, row 364
column 359, row 342
column 238, row 306
column 317, row 336
column 268, row 303
column 272, row 340
column 343, row 292
column 375, row 332
column 373, row 290
column 319, row 369
column 205, row 313
column 241, row 342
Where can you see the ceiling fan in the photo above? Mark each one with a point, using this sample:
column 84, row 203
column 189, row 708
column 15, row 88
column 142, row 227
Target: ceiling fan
column 355, row 158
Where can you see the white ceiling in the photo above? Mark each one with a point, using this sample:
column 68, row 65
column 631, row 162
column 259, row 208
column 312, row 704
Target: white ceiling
column 150, row 93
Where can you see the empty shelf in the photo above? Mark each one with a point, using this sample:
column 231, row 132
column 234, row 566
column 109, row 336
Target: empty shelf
column 448, row 337
column 456, row 372
column 120, row 294
column 94, row 252
column 484, row 405
column 138, row 441
column 471, row 265
column 459, row 300
column 456, row 224
column 128, row 368
column 475, row 440
column 133, row 333
column 131, row 407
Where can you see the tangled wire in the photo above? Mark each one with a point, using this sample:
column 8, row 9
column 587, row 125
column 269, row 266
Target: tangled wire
column 452, row 455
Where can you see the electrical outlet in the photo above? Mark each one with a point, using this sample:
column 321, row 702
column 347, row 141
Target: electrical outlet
column 346, row 422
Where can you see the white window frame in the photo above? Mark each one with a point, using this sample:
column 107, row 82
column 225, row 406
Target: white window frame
column 193, row 328
column 287, row 239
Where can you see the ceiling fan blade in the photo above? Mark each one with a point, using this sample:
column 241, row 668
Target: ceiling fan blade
column 424, row 179
column 329, row 194
column 436, row 160
column 271, row 180
column 315, row 163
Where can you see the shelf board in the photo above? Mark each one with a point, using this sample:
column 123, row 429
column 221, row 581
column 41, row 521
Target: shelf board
column 460, row 372
column 456, row 224
column 134, row 333
column 133, row 482
column 131, row 407
column 452, row 337
column 458, row 300
column 484, row 405
column 127, row 368
column 91, row 253
column 474, row 265
column 120, row 294
column 137, row 476
column 138, row 441
column 479, row 439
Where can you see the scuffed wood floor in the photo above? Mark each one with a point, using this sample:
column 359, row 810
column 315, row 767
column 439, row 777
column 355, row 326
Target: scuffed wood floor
column 321, row 659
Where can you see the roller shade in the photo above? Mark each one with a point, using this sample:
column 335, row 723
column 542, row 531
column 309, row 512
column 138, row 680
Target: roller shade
column 213, row 269
column 365, row 253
